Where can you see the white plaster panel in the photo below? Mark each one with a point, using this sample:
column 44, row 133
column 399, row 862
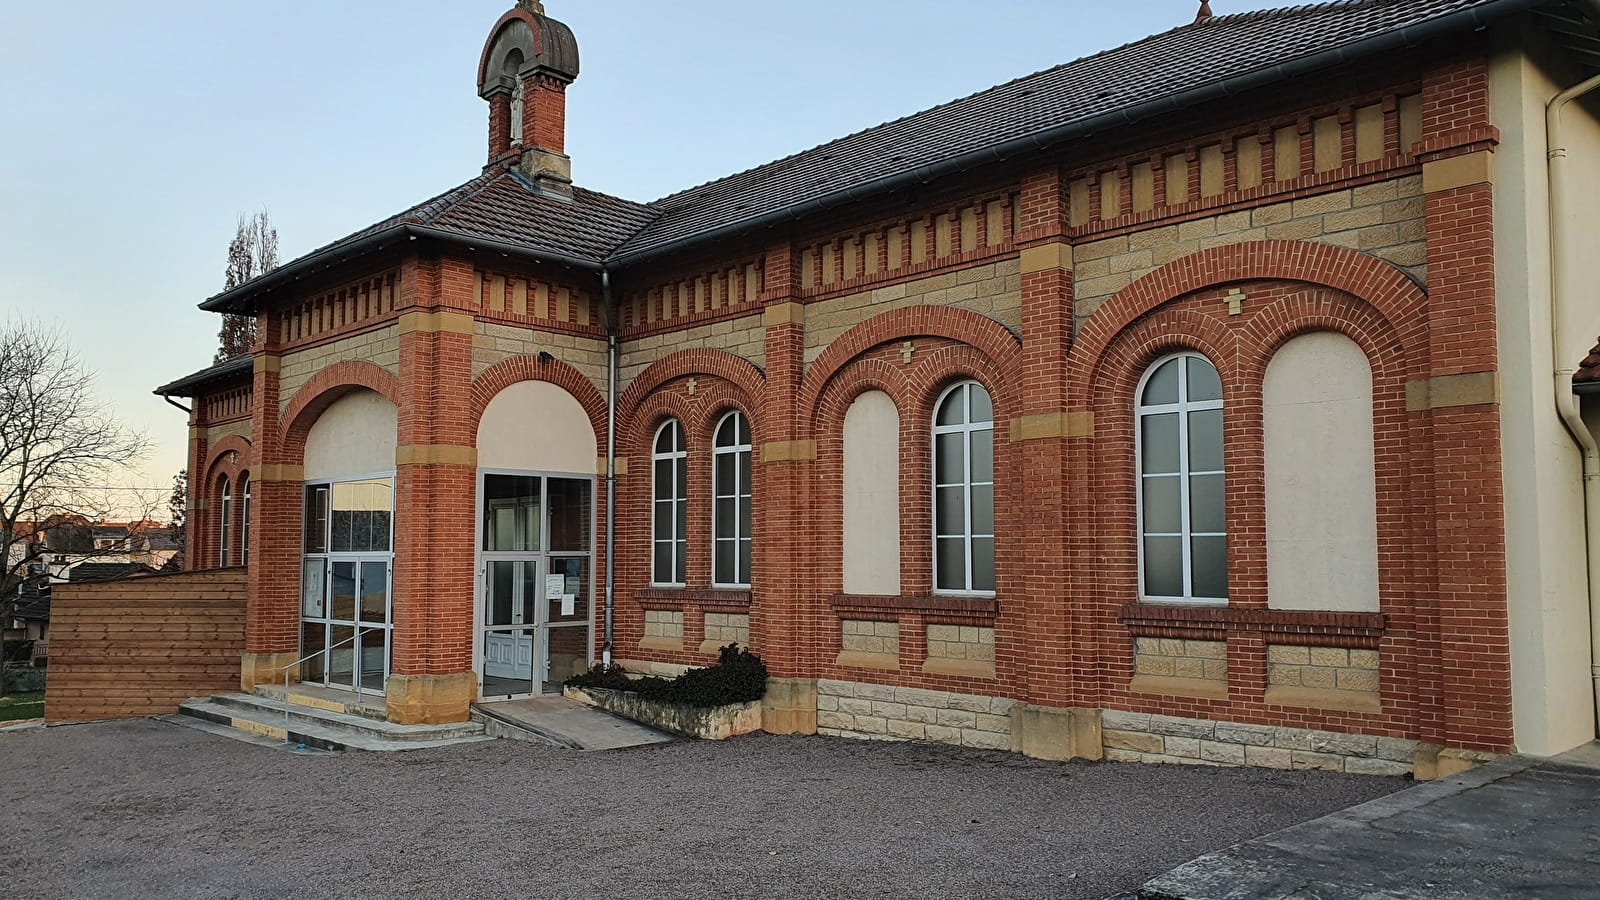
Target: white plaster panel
column 536, row 426
column 1322, row 496
column 872, row 496
column 354, row 436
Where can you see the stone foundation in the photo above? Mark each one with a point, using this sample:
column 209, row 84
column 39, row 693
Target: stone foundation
column 1147, row 738
column 876, row 712
column 431, row 699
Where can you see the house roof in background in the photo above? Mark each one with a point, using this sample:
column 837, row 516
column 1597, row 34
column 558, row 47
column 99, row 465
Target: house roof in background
column 91, row 573
column 1587, row 378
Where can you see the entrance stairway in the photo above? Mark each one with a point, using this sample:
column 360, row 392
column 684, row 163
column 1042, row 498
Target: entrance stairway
column 317, row 719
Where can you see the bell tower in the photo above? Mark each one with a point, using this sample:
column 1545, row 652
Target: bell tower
column 527, row 64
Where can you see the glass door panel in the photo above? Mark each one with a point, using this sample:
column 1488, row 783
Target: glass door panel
column 566, row 655
column 342, row 592
column 341, row 656
column 374, row 659
column 569, row 606
column 508, row 662
column 313, row 637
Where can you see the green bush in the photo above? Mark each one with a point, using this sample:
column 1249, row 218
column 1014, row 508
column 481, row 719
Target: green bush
column 738, row 677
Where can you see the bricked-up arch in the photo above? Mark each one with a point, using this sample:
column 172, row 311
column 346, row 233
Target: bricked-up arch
column 530, row 368
column 321, row 391
column 983, row 334
column 1387, row 289
column 739, row 372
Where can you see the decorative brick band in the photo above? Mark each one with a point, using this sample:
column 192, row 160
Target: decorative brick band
column 677, row 598
column 1332, row 629
column 789, row 451
column 1458, row 171
column 436, row 455
column 436, row 323
column 985, row 606
column 1451, row 391
column 1047, row 258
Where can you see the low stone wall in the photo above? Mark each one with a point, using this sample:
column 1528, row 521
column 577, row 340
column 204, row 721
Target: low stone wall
column 1147, row 738
column 141, row 646
column 878, row 712
column 707, row 723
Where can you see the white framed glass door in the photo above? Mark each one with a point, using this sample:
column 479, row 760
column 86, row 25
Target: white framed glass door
column 535, row 623
column 346, row 584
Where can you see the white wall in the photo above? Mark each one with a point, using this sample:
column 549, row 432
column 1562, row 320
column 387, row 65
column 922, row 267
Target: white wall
column 872, row 496
column 1322, row 493
column 354, row 436
column 537, row 426
column 1552, row 695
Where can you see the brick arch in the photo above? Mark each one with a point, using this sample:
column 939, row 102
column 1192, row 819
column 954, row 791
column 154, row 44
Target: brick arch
column 980, row 332
column 214, row 461
column 636, row 435
column 736, row 370
column 1124, row 361
column 322, row 390
column 1387, row 289
column 856, row 378
column 1308, row 312
column 518, row 369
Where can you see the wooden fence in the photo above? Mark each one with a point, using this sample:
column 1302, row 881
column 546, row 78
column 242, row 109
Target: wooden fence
column 140, row 646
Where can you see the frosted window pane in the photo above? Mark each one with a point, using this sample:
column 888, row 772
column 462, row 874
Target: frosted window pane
column 983, row 509
column 1210, row 567
column 1204, row 383
column 1205, row 441
column 951, row 517
column 1162, row 386
column 1163, row 511
column 983, row 564
column 951, row 459
column 952, row 564
column 1206, row 509
column 1163, row 567
column 1160, row 436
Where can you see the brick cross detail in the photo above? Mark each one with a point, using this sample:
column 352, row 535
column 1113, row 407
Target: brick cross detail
column 693, row 383
column 1235, row 299
column 907, row 352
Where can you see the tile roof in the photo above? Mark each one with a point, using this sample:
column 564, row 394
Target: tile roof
column 185, row 387
column 1193, row 63
column 94, row 573
column 1150, row 69
column 1588, row 370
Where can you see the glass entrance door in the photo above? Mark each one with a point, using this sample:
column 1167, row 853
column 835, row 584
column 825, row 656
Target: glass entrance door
column 346, row 609
column 535, row 622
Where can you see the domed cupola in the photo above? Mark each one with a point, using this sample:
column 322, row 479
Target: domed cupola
column 527, row 64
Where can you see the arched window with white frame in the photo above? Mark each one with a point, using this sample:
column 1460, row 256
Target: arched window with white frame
column 1183, row 535
column 225, row 524
column 670, row 506
column 244, row 520
column 730, row 512
column 963, row 491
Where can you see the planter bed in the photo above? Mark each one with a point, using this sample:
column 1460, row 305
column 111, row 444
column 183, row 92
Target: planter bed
column 712, row 723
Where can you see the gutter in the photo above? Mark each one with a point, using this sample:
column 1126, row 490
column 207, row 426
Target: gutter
column 612, row 354
column 1463, row 20
column 1565, row 277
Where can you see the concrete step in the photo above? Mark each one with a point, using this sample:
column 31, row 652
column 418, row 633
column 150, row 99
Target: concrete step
column 324, row 729
column 559, row 722
column 366, row 706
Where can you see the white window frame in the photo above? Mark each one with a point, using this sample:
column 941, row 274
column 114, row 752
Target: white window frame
column 678, row 499
column 244, row 523
column 967, row 430
column 742, row 498
column 224, row 532
column 1186, row 533
column 328, row 556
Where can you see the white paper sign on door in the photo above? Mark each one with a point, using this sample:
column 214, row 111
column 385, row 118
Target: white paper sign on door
column 554, row 586
column 569, row 605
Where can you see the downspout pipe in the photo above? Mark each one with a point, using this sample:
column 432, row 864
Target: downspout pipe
column 611, row 466
column 1565, row 278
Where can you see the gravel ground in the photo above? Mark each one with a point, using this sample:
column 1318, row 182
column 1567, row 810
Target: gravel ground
column 148, row 809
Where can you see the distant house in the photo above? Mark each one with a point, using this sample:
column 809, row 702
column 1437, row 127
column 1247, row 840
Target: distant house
column 26, row 617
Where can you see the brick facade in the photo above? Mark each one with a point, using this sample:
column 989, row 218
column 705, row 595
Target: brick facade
column 1054, row 281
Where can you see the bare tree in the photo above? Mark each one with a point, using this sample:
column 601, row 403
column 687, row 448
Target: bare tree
column 61, row 450
column 252, row 253
column 178, row 514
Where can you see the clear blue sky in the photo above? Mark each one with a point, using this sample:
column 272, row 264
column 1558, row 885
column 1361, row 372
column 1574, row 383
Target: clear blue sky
column 136, row 133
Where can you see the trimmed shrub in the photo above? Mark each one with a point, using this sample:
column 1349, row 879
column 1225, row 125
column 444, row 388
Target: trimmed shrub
column 738, row 677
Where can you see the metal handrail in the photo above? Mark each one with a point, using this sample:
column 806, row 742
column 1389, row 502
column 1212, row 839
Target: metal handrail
column 355, row 670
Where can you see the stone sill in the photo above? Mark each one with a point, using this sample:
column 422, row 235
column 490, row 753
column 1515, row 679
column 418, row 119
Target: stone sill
column 933, row 603
column 960, row 668
column 861, row 660
column 1170, row 686
column 1319, row 698
column 674, row 645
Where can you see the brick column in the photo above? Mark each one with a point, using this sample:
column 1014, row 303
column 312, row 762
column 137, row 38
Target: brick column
column 436, row 463
column 784, row 616
column 1035, row 622
column 272, row 625
column 194, row 511
column 1458, row 406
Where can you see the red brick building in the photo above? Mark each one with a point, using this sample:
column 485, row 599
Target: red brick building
column 1187, row 402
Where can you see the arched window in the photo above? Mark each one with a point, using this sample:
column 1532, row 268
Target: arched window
column 1183, row 548
column 225, row 521
column 670, row 519
column 963, row 490
column 244, row 521
column 730, row 512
